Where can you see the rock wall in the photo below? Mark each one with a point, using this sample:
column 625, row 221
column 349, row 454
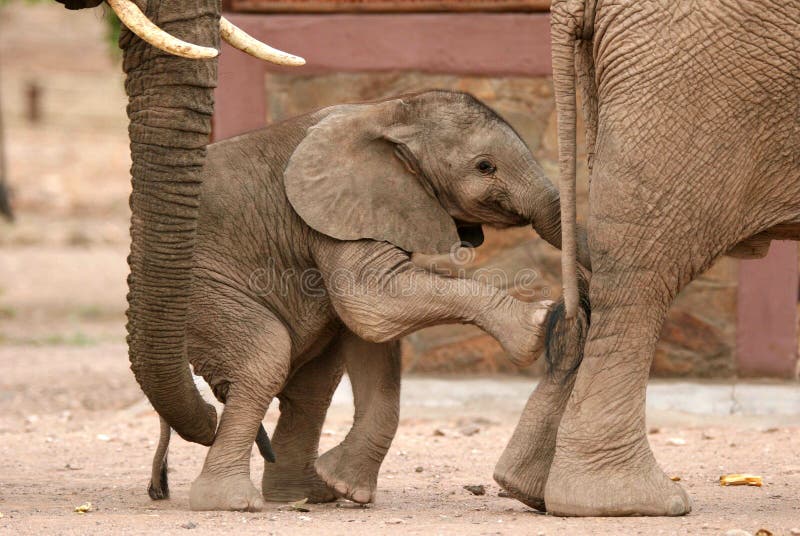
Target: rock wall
column 698, row 338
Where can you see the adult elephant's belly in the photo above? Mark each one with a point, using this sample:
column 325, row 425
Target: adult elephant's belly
column 757, row 246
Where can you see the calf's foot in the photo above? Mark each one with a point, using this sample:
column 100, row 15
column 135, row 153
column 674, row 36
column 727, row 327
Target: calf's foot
column 287, row 484
column 353, row 476
column 524, row 466
column 236, row 492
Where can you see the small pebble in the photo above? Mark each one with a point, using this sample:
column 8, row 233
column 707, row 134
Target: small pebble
column 470, row 430
column 419, row 469
column 676, row 441
column 478, row 489
column 189, row 525
column 394, row 521
column 737, row 532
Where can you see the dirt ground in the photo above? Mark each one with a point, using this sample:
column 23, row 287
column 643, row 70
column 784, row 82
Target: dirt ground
column 74, row 427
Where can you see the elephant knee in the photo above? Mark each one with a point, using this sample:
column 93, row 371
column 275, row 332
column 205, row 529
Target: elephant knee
column 367, row 318
column 374, row 330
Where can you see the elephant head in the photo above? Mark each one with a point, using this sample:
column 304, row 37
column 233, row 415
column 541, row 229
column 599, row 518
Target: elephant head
column 420, row 171
column 169, row 56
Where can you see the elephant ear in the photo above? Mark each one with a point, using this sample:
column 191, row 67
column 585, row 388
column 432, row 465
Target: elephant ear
column 356, row 175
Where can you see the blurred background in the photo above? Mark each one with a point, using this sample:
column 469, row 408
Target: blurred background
column 65, row 156
column 74, row 425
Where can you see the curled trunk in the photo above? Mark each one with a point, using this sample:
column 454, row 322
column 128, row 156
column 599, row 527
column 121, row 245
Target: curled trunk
column 170, row 107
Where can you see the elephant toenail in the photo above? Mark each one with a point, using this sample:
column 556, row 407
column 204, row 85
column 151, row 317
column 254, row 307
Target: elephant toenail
column 677, row 506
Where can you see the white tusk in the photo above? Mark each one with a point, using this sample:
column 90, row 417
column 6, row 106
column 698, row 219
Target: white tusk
column 240, row 39
column 136, row 21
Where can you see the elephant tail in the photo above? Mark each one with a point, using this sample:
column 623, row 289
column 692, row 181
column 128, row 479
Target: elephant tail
column 159, row 484
column 264, row 445
column 567, row 31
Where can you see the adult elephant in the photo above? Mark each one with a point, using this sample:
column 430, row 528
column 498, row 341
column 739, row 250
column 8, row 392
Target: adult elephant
column 170, row 91
column 693, row 114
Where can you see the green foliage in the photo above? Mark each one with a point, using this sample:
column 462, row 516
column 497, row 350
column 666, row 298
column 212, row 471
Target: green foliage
column 112, row 23
column 113, row 26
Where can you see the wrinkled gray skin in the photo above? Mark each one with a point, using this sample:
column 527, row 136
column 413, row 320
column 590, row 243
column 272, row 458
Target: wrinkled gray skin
column 303, row 265
column 693, row 114
column 170, row 103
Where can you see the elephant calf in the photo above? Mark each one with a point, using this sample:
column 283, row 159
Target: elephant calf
column 303, row 264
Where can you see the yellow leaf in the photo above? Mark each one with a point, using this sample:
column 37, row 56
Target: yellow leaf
column 85, row 507
column 741, row 480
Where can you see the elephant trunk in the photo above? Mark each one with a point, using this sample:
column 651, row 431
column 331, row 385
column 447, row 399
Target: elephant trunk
column 170, row 107
column 544, row 212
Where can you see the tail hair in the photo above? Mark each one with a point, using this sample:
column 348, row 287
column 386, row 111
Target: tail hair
column 565, row 338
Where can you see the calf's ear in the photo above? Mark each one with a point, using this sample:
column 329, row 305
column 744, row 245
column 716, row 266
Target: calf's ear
column 356, row 175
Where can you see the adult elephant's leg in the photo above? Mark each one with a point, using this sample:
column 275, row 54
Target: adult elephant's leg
column 603, row 464
column 524, row 465
column 352, row 467
column 304, row 403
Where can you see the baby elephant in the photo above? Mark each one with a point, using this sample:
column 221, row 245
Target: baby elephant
column 303, row 265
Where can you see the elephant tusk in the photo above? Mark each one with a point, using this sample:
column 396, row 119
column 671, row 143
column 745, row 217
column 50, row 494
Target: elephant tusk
column 136, row 21
column 240, row 39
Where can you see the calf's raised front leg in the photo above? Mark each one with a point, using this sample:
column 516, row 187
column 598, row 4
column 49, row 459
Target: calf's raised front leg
column 381, row 296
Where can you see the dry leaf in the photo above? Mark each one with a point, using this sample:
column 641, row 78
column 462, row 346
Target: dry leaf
column 675, row 478
column 741, row 480
column 85, row 507
column 763, row 532
column 299, row 506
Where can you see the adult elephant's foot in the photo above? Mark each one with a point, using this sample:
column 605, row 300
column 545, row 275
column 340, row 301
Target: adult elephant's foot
column 350, row 472
column 585, row 484
column 287, row 484
column 236, row 492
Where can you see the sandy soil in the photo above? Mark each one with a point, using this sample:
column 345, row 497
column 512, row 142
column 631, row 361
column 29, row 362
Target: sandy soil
column 74, row 428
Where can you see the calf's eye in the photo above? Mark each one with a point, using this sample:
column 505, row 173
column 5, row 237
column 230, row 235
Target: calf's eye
column 485, row 167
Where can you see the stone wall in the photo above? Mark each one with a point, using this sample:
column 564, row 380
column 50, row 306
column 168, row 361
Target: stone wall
column 698, row 338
